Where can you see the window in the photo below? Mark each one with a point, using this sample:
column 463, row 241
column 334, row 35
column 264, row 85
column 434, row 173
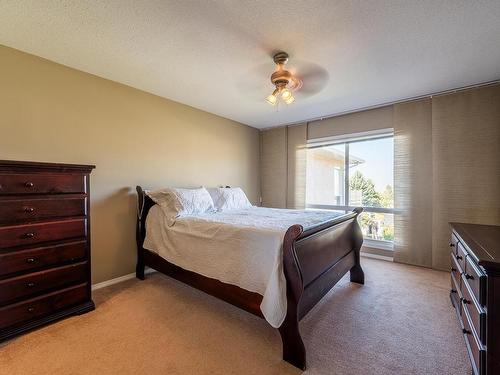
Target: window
column 355, row 172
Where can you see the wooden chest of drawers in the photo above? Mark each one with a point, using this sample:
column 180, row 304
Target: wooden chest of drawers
column 475, row 292
column 44, row 244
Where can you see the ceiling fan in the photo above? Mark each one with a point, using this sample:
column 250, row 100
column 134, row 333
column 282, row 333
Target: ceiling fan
column 304, row 79
column 284, row 81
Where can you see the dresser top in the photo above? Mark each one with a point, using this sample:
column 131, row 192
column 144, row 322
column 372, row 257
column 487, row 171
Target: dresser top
column 483, row 240
column 26, row 166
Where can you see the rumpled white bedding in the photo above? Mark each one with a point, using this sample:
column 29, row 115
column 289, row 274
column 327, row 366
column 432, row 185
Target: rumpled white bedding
column 238, row 247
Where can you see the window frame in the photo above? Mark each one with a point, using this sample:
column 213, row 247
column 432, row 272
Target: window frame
column 348, row 139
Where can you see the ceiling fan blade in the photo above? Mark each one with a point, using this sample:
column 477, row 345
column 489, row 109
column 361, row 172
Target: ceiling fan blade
column 314, row 78
column 256, row 81
column 295, row 83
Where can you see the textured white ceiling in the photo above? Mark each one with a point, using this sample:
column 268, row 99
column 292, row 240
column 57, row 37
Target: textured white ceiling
column 215, row 55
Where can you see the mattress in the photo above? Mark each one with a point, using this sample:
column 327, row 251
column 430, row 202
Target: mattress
column 238, row 247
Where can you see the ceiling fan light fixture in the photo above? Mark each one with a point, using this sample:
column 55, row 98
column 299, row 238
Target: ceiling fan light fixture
column 290, row 99
column 271, row 99
column 286, row 94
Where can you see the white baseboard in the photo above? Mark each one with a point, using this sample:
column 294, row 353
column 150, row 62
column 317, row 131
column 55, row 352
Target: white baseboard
column 375, row 256
column 120, row 279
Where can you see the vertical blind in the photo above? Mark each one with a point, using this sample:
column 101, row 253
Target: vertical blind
column 413, row 183
column 273, row 166
column 466, row 163
column 359, row 122
column 297, row 162
column 283, row 167
column 446, row 160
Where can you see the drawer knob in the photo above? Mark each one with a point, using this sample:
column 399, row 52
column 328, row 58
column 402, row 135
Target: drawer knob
column 453, row 269
column 469, row 277
column 31, row 309
column 29, row 235
column 30, row 260
column 465, row 301
column 466, row 331
column 459, row 257
column 452, row 245
column 29, row 209
column 30, row 285
column 29, row 184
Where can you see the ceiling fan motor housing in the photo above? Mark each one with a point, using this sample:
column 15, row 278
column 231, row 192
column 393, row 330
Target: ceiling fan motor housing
column 281, row 58
column 283, row 80
column 281, row 77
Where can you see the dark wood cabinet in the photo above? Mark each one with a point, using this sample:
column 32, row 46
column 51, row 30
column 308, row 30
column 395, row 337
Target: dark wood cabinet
column 475, row 292
column 44, row 244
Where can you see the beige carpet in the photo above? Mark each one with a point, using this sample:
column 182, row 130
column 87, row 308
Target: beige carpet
column 400, row 322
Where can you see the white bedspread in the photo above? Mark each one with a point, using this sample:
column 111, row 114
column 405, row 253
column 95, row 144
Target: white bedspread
column 238, row 247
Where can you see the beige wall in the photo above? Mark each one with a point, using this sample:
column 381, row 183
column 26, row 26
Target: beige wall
column 56, row 114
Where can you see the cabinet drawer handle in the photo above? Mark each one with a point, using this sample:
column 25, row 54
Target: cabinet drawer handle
column 30, row 260
column 469, row 277
column 29, row 184
column 31, row 309
column 29, row 235
column 29, row 209
column 452, row 245
column 30, row 285
column 459, row 257
column 465, row 301
column 466, row 331
column 453, row 291
column 453, row 269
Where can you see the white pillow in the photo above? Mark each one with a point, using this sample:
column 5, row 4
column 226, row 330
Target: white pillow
column 176, row 202
column 229, row 198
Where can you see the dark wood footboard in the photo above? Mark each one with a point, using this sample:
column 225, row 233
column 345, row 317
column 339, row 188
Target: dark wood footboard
column 313, row 262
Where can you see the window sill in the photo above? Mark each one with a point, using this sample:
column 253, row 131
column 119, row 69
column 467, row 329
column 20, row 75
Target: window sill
column 377, row 244
column 376, row 256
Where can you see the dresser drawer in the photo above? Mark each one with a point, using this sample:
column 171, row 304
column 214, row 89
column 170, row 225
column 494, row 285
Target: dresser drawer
column 34, row 283
column 20, row 235
column 456, row 295
column 475, row 312
column 456, row 269
column 26, row 183
column 43, row 305
column 476, row 280
column 461, row 254
column 453, row 244
column 22, row 210
column 455, row 284
column 476, row 351
column 31, row 259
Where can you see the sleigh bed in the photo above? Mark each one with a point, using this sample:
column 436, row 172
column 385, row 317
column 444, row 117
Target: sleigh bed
column 313, row 261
